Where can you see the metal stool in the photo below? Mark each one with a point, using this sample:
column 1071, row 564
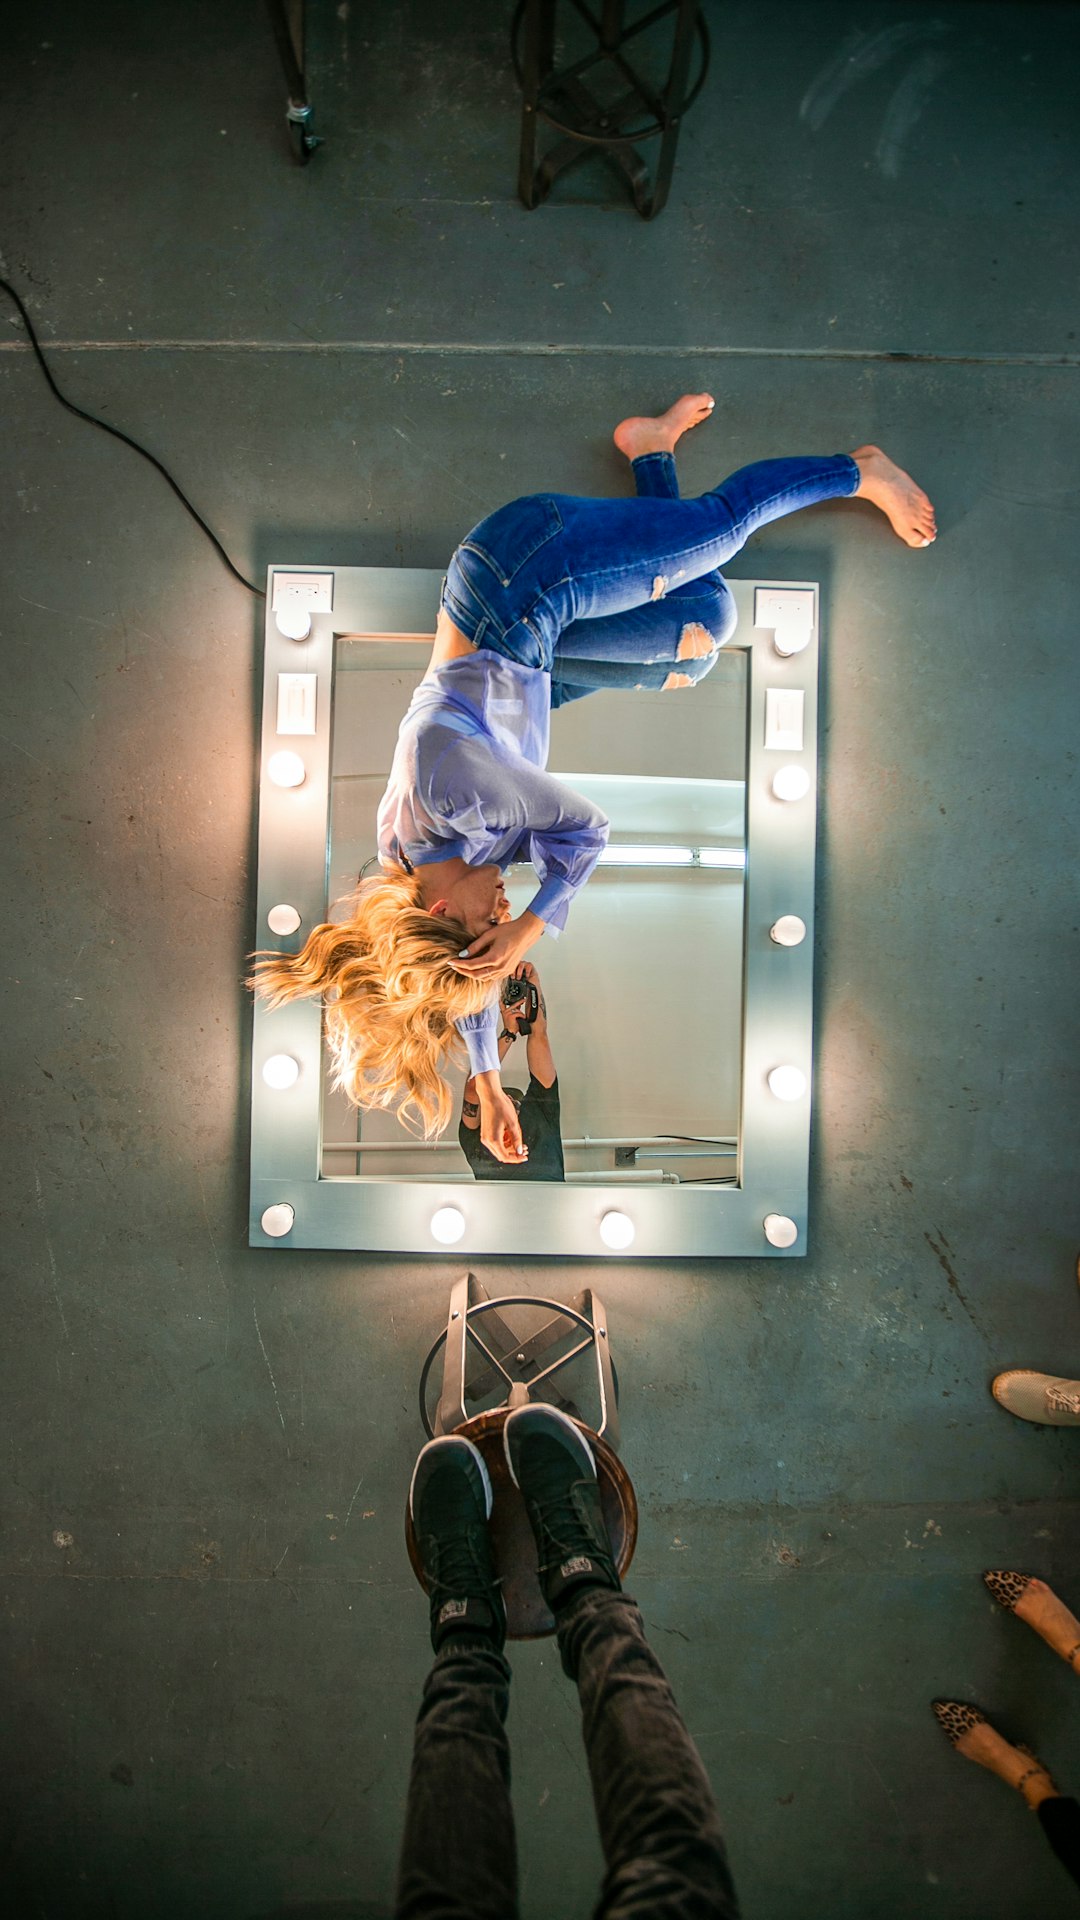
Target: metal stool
column 477, row 1364
column 587, row 123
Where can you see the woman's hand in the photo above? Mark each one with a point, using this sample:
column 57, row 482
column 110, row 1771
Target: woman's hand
column 500, row 1129
column 498, row 950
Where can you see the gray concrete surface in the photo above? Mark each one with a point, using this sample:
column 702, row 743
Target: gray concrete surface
column 215, row 1645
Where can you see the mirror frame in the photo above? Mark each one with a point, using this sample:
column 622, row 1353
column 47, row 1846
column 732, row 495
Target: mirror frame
column 511, row 1218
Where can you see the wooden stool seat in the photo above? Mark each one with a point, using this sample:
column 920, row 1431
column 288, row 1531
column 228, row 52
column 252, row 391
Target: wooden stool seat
column 528, row 1616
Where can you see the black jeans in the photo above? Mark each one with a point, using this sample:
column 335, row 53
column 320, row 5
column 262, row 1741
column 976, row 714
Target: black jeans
column 659, row 1826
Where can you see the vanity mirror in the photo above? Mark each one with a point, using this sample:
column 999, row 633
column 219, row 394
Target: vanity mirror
column 678, row 998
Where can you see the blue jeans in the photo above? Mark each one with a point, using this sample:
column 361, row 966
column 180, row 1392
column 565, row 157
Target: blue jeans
column 659, row 1827
column 599, row 593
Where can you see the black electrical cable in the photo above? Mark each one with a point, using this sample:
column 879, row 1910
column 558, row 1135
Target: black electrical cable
column 81, row 413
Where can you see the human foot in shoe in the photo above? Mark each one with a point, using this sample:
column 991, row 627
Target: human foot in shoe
column 450, row 1504
column 553, row 1464
column 657, row 433
column 972, row 1735
column 1045, row 1398
column 905, row 505
column 1032, row 1600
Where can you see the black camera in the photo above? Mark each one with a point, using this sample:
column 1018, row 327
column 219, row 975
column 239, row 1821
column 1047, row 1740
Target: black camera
column 513, row 993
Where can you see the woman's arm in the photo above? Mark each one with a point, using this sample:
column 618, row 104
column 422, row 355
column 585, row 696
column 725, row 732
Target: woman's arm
column 563, row 834
column 500, row 1128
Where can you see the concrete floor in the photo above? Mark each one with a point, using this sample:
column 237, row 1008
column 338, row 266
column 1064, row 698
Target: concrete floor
column 215, row 1641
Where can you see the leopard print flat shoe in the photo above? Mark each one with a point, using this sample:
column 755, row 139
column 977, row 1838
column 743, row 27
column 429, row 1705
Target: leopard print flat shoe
column 956, row 1718
column 1007, row 1587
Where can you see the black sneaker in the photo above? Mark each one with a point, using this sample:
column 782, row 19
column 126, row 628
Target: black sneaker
column 450, row 1503
column 552, row 1462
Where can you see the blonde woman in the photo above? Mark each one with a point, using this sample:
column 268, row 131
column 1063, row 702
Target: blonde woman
column 548, row 599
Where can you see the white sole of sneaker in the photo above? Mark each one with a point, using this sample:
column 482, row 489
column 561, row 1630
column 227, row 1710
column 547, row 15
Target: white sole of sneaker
column 442, row 1442
column 570, row 1428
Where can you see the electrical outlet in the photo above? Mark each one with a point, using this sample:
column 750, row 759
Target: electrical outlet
column 779, row 607
column 784, row 711
column 312, row 590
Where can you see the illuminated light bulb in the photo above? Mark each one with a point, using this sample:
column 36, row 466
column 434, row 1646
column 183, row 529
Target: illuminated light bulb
column 283, row 919
column 779, row 1230
column 278, row 1220
column 791, row 639
column 447, row 1225
column 791, row 783
column 293, row 622
column 286, row 769
column 788, row 1083
column 723, row 857
column 281, row 1070
column 788, row 931
column 617, row 1231
column 628, row 856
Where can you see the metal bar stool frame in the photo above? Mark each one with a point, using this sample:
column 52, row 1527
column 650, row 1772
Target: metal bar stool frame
column 517, row 1361
column 552, row 95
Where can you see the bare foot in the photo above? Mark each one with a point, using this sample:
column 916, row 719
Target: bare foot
column 895, row 492
column 1017, row 1766
column 1050, row 1617
column 642, row 433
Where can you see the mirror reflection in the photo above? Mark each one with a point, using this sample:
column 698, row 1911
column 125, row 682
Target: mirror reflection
column 632, row 1069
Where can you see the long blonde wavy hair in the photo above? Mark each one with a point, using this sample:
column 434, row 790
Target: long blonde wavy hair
column 390, row 995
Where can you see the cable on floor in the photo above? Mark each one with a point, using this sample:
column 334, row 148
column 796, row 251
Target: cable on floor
column 82, row 414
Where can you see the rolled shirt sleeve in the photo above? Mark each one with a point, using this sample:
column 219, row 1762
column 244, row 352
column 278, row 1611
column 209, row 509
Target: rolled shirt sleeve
column 534, row 817
column 480, row 1032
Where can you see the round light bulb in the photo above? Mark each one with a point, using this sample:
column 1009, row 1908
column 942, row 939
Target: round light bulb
column 788, row 1083
column 791, row 783
column 617, row 1231
column 788, row 931
column 281, row 1070
column 278, row 1220
column 293, row 622
column 789, row 640
column 286, row 769
column 779, row 1230
column 283, row 919
column 447, row 1225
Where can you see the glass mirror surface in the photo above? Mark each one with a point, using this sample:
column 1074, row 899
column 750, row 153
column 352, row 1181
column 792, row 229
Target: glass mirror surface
column 644, row 989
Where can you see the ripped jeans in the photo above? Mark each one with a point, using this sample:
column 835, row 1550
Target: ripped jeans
column 600, row 593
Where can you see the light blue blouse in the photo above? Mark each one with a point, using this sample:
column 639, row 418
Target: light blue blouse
column 468, row 778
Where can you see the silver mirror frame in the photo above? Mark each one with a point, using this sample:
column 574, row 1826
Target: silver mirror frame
column 670, row 1222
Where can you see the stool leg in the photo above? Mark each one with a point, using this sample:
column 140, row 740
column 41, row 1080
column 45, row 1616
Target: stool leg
column 674, row 96
column 537, row 62
column 611, row 25
column 450, row 1413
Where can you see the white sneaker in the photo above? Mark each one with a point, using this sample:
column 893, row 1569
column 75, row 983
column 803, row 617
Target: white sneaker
column 1042, row 1397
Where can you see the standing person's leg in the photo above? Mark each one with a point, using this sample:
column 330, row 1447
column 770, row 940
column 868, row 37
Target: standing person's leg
column 1059, row 1818
column 969, row 1732
column 658, row 1822
column 459, row 1855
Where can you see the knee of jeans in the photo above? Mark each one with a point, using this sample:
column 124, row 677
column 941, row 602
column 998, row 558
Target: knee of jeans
column 695, row 641
column 713, row 602
column 692, row 671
